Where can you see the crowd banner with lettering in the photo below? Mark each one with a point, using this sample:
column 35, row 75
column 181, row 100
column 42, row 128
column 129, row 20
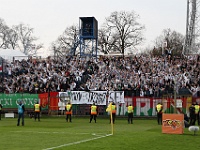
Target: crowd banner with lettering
column 12, row 100
column 116, row 96
column 89, row 97
column 83, row 97
column 143, row 106
column 173, row 123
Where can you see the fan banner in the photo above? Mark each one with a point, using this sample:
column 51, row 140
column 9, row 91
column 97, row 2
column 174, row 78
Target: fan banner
column 89, row 97
column 12, row 100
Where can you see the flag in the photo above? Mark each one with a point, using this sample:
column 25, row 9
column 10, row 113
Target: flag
column 109, row 108
column 1, row 68
column 165, row 44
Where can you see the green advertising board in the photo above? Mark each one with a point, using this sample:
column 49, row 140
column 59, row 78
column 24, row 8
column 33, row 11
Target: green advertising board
column 12, row 100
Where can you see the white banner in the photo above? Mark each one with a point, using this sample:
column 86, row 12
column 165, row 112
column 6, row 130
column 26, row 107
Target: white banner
column 64, row 98
column 83, row 97
column 179, row 103
column 116, row 96
column 97, row 97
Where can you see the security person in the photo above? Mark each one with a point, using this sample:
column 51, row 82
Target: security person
column 0, row 110
column 93, row 113
column 159, row 108
column 196, row 106
column 113, row 111
column 186, row 121
column 37, row 110
column 21, row 110
column 68, row 109
column 130, row 114
column 192, row 114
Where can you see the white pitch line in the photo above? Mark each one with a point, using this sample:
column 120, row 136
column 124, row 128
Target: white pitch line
column 78, row 142
column 47, row 132
column 37, row 132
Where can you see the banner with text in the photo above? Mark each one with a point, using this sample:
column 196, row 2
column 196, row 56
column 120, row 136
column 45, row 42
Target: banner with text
column 12, row 100
column 97, row 97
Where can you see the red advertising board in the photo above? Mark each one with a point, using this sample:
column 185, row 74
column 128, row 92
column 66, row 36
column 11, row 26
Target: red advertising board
column 172, row 123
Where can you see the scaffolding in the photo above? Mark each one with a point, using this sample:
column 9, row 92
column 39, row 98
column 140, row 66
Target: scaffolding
column 191, row 44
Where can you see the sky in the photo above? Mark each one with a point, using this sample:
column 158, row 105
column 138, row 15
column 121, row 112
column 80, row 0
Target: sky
column 50, row 18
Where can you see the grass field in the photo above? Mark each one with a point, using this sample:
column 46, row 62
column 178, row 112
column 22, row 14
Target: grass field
column 56, row 133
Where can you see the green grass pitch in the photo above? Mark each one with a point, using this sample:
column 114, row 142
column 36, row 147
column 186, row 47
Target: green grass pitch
column 54, row 133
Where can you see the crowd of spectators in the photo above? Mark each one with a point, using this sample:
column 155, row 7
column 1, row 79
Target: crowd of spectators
column 138, row 75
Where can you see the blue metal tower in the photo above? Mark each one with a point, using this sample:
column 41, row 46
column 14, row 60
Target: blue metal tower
column 88, row 36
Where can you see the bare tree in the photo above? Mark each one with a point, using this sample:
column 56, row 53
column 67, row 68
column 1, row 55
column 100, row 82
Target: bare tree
column 12, row 38
column 125, row 28
column 3, row 34
column 26, row 39
column 8, row 38
column 174, row 41
column 68, row 41
column 106, row 41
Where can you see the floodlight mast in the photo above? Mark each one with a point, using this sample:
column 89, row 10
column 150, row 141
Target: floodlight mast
column 190, row 43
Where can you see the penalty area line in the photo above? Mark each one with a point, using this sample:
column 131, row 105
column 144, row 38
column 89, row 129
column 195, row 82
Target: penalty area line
column 78, row 142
